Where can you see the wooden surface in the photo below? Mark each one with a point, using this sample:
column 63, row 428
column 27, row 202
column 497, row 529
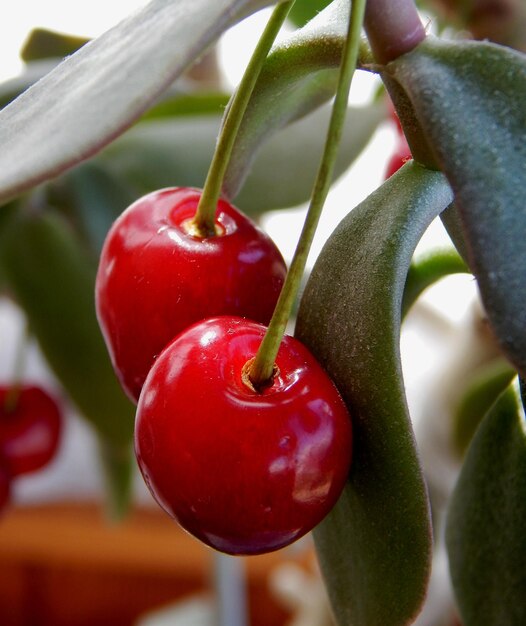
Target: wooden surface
column 65, row 565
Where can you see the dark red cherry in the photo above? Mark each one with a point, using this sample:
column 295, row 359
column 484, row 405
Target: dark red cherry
column 5, row 486
column 30, row 428
column 155, row 278
column 244, row 471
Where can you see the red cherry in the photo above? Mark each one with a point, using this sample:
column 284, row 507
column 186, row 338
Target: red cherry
column 155, row 279
column 5, row 486
column 245, row 472
column 401, row 155
column 30, row 431
column 393, row 116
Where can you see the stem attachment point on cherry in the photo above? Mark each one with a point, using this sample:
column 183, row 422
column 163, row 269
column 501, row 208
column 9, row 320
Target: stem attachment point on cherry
column 260, row 386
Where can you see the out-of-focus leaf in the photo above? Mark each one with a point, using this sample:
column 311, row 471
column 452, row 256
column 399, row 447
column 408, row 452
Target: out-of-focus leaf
column 285, row 167
column 178, row 152
column 469, row 100
column 482, row 391
column 13, row 87
column 486, row 524
column 163, row 153
column 375, row 545
column 298, row 76
column 42, row 43
column 304, row 10
column 117, row 462
column 98, row 92
column 94, row 199
column 427, row 269
column 190, row 104
column 53, row 280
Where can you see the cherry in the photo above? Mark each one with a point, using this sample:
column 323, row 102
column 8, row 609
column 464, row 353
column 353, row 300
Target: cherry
column 29, row 430
column 5, row 485
column 245, row 471
column 156, row 278
column 401, row 155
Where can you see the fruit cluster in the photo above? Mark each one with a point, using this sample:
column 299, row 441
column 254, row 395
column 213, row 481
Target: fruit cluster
column 30, row 428
column 246, row 467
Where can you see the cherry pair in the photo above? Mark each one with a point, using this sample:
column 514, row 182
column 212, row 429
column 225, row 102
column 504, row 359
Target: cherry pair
column 246, row 469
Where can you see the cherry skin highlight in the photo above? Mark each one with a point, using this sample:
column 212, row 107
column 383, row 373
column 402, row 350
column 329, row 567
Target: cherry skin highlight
column 155, row 278
column 29, row 430
column 244, row 471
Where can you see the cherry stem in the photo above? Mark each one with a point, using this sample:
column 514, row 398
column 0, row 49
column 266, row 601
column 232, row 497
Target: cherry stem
column 203, row 223
column 393, row 28
column 261, row 370
column 19, row 366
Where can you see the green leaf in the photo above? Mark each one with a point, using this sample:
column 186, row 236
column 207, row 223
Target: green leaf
column 483, row 389
column 33, row 72
column 53, row 280
column 93, row 199
column 469, row 100
column 284, row 169
column 190, row 104
column 42, row 43
column 98, row 92
column 427, row 269
column 375, row 546
column 298, row 76
column 304, row 10
column 118, row 463
column 485, row 534
column 163, row 153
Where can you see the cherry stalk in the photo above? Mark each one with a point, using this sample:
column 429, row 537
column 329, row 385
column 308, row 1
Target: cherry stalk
column 262, row 368
column 204, row 221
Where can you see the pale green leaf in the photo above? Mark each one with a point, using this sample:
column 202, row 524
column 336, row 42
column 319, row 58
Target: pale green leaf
column 96, row 93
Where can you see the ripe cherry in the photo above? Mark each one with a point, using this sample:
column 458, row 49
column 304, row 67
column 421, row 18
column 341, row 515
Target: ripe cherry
column 244, row 471
column 156, row 278
column 29, row 429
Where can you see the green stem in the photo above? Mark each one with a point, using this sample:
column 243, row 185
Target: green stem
column 204, row 219
column 262, row 368
column 19, row 366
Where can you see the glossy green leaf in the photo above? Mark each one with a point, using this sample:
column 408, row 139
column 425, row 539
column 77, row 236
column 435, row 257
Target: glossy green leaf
column 469, row 100
column 304, row 10
column 178, row 152
column 375, row 546
column 486, row 524
column 96, row 93
column 43, row 43
column 298, row 76
column 53, row 280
